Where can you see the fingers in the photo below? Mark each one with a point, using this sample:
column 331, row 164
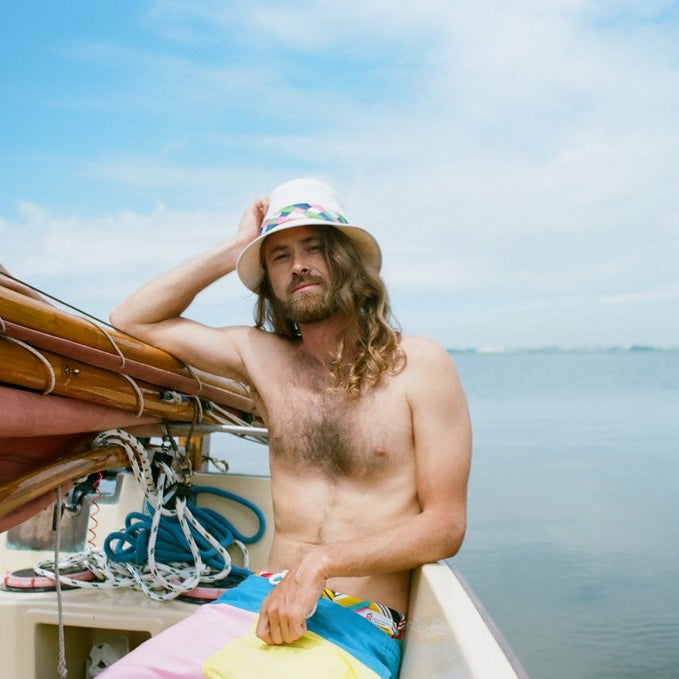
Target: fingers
column 281, row 631
column 252, row 219
column 262, row 205
column 280, row 624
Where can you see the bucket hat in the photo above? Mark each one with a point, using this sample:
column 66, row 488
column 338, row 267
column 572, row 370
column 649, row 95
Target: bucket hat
column 303, row 202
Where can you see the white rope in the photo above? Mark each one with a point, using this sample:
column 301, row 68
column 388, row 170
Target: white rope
column 43, row 360
column 223, row 416
column 158, row 581
column 61, row 665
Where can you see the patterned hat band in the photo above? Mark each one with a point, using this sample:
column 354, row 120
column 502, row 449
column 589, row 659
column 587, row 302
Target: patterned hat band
column 301, row 211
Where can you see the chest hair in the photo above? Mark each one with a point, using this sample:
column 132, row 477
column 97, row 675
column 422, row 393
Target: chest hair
column 330, row 432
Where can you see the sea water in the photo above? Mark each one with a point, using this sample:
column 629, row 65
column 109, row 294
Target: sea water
column 573, row 533
column 573, row 525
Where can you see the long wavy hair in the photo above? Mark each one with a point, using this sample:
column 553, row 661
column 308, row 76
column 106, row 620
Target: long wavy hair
column 360, row 296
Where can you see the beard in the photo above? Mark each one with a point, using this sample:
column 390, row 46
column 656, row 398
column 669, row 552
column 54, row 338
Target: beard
column 309, row 306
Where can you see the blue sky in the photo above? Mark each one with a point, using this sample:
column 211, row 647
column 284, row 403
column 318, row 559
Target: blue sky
column 517, row 161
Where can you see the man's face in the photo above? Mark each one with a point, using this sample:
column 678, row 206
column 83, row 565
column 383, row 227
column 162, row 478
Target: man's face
column 299, row 275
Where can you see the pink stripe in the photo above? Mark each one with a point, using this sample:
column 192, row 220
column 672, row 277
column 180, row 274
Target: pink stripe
column 180, row 650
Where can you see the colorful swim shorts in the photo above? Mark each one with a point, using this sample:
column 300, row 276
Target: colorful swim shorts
column 391, row 622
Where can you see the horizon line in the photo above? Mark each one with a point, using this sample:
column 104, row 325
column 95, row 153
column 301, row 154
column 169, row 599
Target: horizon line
column 565, row 349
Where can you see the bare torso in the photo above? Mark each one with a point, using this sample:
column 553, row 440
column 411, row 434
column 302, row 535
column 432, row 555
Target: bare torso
column 341, row 468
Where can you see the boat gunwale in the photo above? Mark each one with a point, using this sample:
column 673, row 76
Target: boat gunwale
column 500, row 639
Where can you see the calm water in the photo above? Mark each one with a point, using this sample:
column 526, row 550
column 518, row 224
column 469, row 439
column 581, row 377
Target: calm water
column 573, row 539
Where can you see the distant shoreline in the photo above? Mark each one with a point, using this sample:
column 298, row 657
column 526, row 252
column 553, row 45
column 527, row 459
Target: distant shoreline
column 632, row 348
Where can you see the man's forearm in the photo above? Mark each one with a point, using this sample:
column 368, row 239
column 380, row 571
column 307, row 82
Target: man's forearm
column 167, row 296
column 426, row 537
column 171, row 293
column 423, row 538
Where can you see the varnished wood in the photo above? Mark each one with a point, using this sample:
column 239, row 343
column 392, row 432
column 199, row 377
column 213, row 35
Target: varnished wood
column 29, row 319
column 20, row 367
column 22, row 489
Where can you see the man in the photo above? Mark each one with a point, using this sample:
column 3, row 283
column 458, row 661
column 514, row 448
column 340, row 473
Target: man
column 369, row 431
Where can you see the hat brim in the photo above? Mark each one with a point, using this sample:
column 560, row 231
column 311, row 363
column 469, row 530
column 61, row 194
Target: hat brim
column 249, row 264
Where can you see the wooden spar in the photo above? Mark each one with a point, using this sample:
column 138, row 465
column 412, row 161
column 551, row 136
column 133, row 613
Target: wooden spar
column 21, row 490
column 66, row 377
column 21, row 309
column 44, row 349
column 51, row 329
column 134, row 369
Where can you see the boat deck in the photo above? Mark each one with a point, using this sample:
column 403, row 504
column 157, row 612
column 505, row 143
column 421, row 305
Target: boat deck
column 447, row 634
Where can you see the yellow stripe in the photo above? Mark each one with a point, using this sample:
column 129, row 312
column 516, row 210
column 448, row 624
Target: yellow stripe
column 310, row 656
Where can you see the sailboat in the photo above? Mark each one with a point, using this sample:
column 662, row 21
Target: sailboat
column 75, row 397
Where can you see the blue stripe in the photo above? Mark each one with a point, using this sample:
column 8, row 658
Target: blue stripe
column 341, row 626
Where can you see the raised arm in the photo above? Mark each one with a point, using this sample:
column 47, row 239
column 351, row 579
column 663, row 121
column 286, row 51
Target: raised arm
column 153, row 313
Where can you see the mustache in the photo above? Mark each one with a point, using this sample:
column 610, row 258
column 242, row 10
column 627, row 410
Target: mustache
column 305, row 278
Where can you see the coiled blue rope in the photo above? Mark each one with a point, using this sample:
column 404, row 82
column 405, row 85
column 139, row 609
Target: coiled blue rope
column 131, row 544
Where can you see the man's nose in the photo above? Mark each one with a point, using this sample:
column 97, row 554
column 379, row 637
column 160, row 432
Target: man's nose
column 299, row 264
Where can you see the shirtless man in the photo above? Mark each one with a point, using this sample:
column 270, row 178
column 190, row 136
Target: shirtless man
column 369, row 449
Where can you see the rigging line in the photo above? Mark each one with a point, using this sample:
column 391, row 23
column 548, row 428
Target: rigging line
column 137, row 392
column 59, row 301
column 61, row 665
column 113, row 343
column 91, row 317
column 52, row 380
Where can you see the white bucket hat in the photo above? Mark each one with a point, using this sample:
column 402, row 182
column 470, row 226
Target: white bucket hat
column 303, row 202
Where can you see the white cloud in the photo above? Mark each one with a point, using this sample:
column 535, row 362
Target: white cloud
column 93, row 263
column 529, row 154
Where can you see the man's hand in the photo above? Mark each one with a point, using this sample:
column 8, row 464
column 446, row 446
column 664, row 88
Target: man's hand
column 248, row 229
column 283, row 614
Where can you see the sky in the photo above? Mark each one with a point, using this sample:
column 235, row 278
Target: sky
column 517, row 161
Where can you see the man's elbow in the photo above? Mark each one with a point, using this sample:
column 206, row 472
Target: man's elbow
column 117, row 318
column 122, row 320
column 447, row 531
column 453, row 539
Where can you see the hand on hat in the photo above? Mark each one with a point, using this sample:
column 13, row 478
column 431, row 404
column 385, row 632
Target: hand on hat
column 248, row 229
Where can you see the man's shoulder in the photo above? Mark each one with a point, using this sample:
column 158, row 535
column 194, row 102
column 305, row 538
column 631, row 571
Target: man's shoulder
column 264, row 347
column 427, row 362
column 432, row 382
column 420, row 348
column 257, row 336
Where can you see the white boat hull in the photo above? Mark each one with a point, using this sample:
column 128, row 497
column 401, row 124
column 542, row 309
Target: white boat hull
column 447, row 636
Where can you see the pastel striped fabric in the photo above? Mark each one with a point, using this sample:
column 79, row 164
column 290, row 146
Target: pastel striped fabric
column 302, row 211
column 218, row 642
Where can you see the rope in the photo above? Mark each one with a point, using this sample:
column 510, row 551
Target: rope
column 61, row 665
column 218, row 463
column 137, row 393
column 114, row 344
column 55, row 299
column 197, row 411
column 41, row 358
column 130, row 545
column 195, row 376
column 223, row 416
column 170, row 552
